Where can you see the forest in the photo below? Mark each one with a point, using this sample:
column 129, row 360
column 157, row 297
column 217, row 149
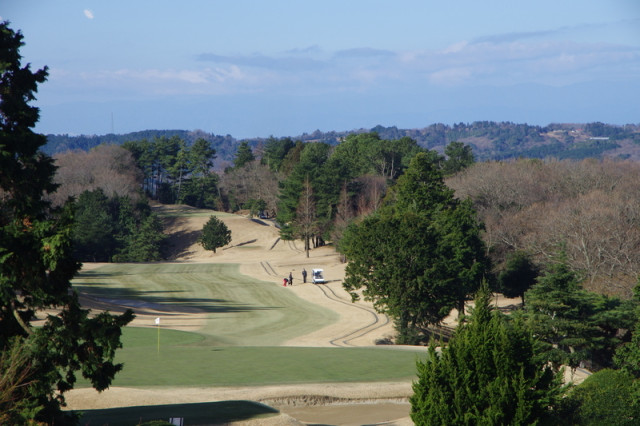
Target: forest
column 489, row 140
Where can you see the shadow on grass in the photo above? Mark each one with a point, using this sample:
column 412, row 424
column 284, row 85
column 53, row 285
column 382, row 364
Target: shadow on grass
column 200, row 413
column 161, row 299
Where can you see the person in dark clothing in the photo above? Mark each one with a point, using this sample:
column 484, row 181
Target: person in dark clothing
column 304, row 275
column 290, row 279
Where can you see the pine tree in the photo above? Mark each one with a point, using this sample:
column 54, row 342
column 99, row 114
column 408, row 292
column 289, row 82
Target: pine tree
column 36, row 264
column 215, row 234
column 243, row 155
column 562, row 314
column 518, row 275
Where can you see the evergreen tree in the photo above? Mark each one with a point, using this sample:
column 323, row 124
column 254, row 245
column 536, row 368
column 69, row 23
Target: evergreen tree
column 607, row 397
column 243, row 155
column 518, row 275
column 459, row 157
column 145, row 244
column 487, row 374
column 310, row 167
column 420, row 255
column 305, row 222
column 215, row 234
column 573, row 324
column 95, row 235
column 36, row 263
column 275, row 151
column 201, row 189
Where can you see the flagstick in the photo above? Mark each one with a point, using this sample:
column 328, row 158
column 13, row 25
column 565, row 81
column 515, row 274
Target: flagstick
column 158, row 327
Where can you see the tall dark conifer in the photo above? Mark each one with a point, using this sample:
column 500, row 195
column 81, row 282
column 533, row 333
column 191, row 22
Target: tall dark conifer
column 36, row 264
column 487, row 375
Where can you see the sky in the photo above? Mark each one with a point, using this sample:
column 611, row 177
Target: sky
column 255, row 68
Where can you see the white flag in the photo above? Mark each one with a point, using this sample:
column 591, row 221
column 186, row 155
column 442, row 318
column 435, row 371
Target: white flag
column 158, row 321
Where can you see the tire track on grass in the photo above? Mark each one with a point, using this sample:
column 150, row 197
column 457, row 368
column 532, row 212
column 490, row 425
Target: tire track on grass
column 268, row 269
column 292, row 246
column 378, row 321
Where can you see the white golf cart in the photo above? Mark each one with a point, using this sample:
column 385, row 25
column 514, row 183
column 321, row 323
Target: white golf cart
column 317, row 276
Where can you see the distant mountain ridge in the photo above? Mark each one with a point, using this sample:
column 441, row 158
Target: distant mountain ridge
column 489, row 140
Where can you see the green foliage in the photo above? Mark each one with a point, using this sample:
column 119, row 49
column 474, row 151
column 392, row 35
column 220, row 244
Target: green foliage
column 16, row 371
column 498, row 140
column 574, row 325
column 94, row 227
column 608, row 397
column 421, row 188
column 143, row 242
column 215, row 234
column 115, row 229
column 459, row 157
column 627, row 356
column 176, row 172
column 275, row 151
column 519, row 274
column 310, row 167
column 243, row 155
column 36, row 264
column 328, row 171
column 200, row 191
column 255, row 206
column 486, row 375
column 418, row 256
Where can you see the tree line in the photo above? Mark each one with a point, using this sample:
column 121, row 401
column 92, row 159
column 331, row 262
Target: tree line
column 490, row 140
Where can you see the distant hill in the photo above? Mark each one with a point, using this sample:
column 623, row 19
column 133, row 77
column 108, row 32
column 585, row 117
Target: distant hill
column 489, row 140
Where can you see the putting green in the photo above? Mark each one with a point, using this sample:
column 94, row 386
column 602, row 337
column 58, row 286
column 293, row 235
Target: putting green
column 241, row 311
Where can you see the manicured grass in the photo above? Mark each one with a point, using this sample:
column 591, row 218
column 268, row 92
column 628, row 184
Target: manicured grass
column 246, row 318
column 189, row 359
column 242, row 311
column 193, row 414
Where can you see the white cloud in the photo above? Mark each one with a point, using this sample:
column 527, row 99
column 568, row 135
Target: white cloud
column 88, row 13
column 450, row 76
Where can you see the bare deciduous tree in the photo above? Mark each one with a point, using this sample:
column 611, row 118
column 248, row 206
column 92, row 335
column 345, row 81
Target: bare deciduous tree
column 109, row 167
column 252, row 181
column 305, row 222
column 589, row 208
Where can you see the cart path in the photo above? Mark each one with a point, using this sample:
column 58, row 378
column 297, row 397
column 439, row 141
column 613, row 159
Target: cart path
column 377, row 320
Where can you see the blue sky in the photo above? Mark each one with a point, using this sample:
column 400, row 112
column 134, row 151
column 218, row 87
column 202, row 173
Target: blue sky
column 282, row 68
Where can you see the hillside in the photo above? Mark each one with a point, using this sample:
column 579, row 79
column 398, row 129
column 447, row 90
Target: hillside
column 489, row 140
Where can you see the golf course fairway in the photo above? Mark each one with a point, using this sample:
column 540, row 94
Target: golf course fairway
column 238, row 344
